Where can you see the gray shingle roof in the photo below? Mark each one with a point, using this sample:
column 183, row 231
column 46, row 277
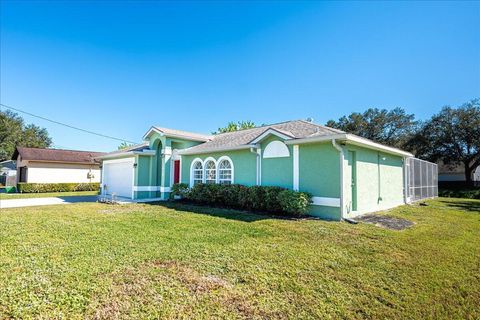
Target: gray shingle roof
column 296, row 129
column 57, row 155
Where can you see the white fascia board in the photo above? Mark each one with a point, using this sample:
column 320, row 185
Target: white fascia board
column 127, row 154
column 242, row 147
column 269, row 132
column 354, row 140
column 170, row 135
column 340, row 136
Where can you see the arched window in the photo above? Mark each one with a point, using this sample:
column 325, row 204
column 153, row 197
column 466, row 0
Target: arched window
column 225, row 174
column 210, row 172
column 197, row 172
column 276, row 149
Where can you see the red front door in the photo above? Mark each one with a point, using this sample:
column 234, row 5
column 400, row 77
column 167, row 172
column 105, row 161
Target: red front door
column 176, row 171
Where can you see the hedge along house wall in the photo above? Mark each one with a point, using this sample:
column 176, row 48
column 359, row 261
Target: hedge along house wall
column 318, row 174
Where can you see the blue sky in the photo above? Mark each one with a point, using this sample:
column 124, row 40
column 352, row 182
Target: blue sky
column 120, row 67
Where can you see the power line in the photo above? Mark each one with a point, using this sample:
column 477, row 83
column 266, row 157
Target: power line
column 66, row 125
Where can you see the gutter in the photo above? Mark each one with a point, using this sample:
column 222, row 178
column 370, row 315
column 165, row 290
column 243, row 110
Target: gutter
column 150, row 153
column 255, row 150
column 341, row 156
column 354, row 140
column 242, row 147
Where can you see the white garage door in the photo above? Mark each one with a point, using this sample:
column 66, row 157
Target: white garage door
column 118, row 177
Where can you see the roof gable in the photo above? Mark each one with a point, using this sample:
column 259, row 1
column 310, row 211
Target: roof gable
column 273, row 131
column 173, row 133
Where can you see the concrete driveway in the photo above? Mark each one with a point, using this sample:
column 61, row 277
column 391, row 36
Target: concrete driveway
column 17, row 203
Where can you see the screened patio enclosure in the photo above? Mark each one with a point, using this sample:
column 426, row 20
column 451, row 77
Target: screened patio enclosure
column 421, row 179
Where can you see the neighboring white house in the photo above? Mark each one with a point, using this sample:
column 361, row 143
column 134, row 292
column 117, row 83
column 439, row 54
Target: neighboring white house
column 456, row 174
column 36, row 165
column 8, row 171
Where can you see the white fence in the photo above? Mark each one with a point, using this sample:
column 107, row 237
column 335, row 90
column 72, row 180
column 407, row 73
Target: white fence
column 421, row 179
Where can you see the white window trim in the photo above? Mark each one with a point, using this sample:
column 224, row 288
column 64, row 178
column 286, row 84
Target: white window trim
column 205, row 169
column 192, row 170
column 232, row 181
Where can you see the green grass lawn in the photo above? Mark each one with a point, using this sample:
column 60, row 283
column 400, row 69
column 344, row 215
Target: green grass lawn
column 6, row 196
column 103, row 261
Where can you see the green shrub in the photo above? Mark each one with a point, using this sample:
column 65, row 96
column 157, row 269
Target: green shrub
column 294, row 203
column 180, row 189
column 460, row 192
column 23, row 187
column 256, row 198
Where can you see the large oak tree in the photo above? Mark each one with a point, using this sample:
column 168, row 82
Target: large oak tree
column 391, row 127
column 453, row 136
column 14, row 132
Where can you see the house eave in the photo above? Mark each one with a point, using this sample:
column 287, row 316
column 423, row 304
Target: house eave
column 211, row 150
column 171, row 135
column 127, row 154
column 353, row 140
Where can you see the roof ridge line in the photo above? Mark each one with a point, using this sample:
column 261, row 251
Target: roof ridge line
column 322, row 126
column 191, row 132
column 262, row 126
column 57, row 149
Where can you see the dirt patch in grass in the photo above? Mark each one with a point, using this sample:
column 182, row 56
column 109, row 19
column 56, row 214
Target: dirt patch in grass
column 386, row 221
column 168, row 289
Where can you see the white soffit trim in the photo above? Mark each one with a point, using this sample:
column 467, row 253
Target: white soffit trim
column 211, row 150
column 129, row 159
column 172, row 135
column 269, row 132
column 127, row 154
column 354, row 140
column 328, row 202
column 276, row 149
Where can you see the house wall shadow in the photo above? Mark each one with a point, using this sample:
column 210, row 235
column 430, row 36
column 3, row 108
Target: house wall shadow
column 472, row 206
column 225, row 213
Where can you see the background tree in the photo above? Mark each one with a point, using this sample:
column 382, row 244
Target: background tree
column 393, row 128
column 235, row 126
column 453, row 136
column 124, row 145
column 14, row 132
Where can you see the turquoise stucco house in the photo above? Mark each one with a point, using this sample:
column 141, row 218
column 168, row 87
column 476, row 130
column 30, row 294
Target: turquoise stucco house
column 346, row 174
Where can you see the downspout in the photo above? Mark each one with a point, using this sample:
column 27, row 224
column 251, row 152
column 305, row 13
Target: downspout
column 340, row 153
column 258, row 164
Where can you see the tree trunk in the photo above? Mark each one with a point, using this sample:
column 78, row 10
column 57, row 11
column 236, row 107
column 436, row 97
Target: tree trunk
column 468, row 175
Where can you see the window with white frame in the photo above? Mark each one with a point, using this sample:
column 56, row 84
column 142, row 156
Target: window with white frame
column 197, row 173
column 225, row 172
column 210, row 172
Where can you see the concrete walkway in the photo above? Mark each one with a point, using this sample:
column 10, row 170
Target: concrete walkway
column 17, row 203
